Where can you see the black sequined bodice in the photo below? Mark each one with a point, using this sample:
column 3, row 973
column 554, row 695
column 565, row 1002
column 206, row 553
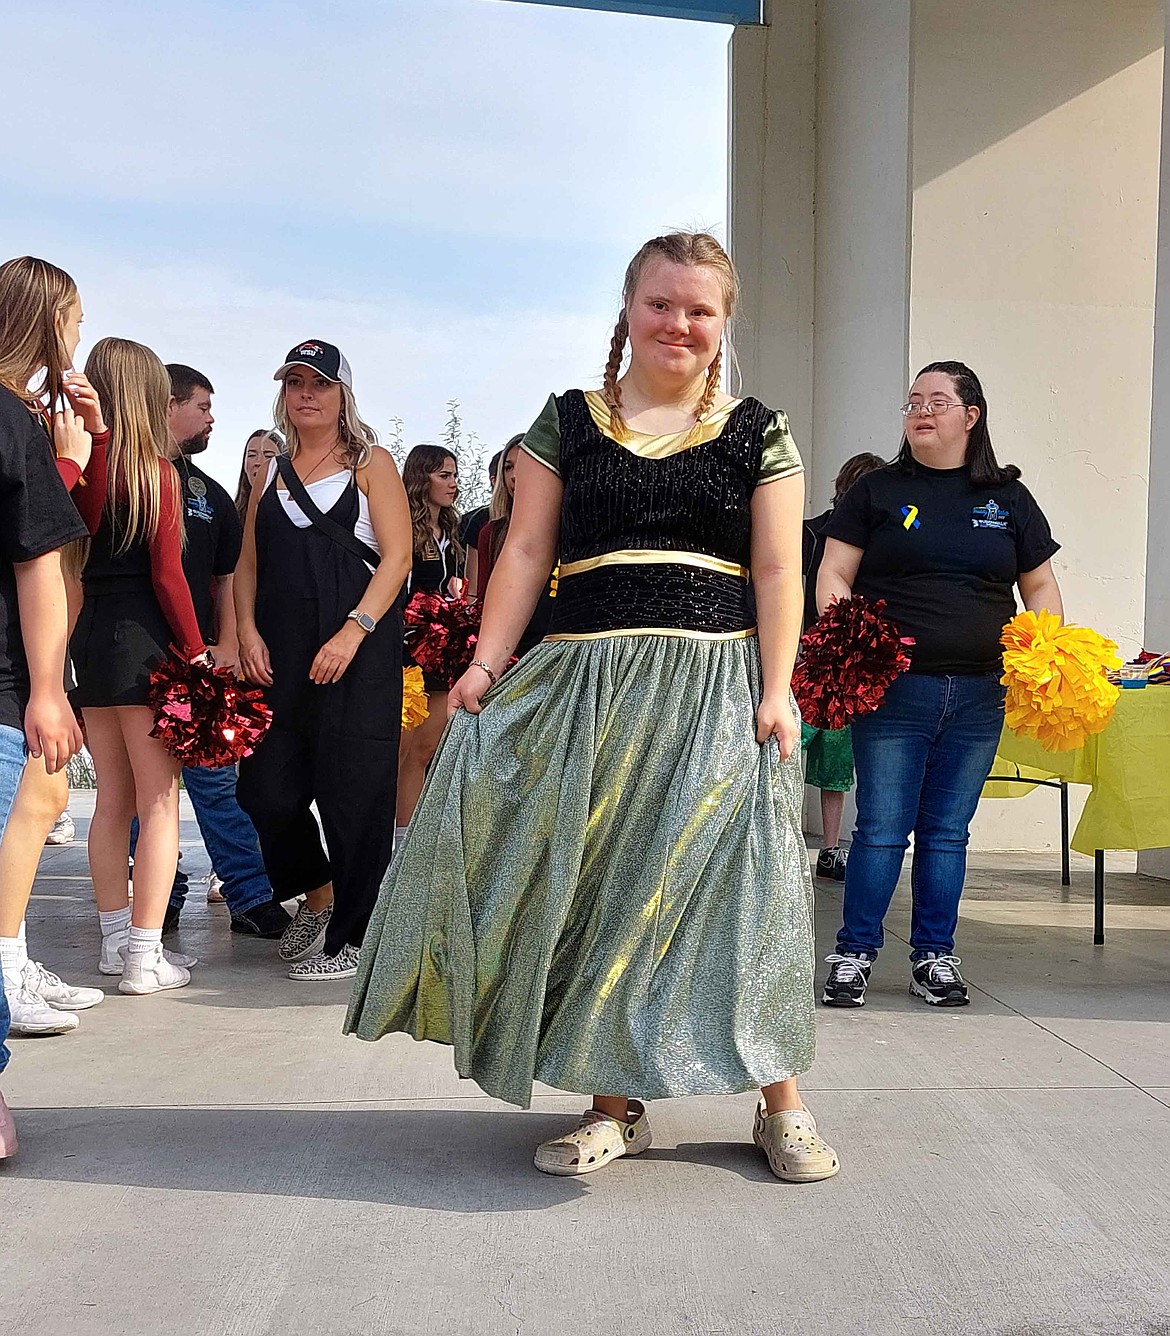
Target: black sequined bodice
column 619, row 508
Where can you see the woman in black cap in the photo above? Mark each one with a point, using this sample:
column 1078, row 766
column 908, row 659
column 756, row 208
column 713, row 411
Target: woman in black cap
column 326, row 550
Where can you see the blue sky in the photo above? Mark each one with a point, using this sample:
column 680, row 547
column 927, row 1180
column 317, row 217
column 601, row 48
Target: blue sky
column 448, row 189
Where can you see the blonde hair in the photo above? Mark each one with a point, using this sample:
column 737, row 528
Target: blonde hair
column 355, row 437
column 422, row 461
column 694, row 249
column 134, row 388
column 500, row 506
column 34, row 297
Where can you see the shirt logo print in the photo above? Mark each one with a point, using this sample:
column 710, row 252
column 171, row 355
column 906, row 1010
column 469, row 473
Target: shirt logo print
column 990, row 516
column 910, row 518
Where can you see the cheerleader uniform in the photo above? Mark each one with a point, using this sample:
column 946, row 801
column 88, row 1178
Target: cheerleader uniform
column 430, row 572
column 605, row 885
column 137, row 602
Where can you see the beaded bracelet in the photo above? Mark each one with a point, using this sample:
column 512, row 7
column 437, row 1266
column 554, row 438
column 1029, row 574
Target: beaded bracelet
column 479, row 663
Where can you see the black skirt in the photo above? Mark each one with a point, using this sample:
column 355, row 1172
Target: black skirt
column 119, row 638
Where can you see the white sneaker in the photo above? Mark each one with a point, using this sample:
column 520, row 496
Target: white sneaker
column 52, row 989
column 111, row 961
column 63, row 830
column 32, row 1015
column 151, row 972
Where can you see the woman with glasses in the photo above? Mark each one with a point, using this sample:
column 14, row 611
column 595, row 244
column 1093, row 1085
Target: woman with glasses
column 945, row 535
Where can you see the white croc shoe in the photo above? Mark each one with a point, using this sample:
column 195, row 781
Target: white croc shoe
column 595, row 1142
column 796, row 1152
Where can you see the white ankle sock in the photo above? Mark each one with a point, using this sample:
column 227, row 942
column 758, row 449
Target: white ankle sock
column 143, row 940
column 114, row 921
column 12, row 957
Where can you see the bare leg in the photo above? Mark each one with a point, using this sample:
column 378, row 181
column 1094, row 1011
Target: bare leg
column 613, row 1106
column 321, row 898
column 114, row 808
column 415, row 753
column 40, row 800
column 782, row 1095
column 156, row 789
column 832, row 810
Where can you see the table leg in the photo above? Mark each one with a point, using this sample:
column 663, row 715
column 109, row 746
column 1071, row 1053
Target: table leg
column 1099, row 897
column 1065, row 877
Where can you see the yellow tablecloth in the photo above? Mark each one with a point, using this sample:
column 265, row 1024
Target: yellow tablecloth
column 1127, row 767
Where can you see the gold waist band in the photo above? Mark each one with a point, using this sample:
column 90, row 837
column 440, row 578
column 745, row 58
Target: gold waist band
column 653, row 557
column 674, row 631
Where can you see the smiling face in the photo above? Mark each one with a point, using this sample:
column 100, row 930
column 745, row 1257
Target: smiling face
column 310, row 400
column 676, row 318
column 259, row 450
column 444, row 484
column 943, row 435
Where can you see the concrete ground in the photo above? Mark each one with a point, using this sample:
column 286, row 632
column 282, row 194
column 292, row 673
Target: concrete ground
column 220, row 1161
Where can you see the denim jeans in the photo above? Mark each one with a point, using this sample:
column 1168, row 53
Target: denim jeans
column 12, row 758
column 229, row 837
column 922, row 758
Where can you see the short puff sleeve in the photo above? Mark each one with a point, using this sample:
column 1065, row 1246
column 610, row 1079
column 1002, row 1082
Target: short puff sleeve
column 780, row 457
column 543, row 439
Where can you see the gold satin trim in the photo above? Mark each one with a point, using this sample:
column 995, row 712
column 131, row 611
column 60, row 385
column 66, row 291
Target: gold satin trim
column 659, row 447
column 675, row 632
column 634, row 556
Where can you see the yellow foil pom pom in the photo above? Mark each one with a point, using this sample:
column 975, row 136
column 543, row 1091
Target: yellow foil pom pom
column 1055, row 674
column 414, row 698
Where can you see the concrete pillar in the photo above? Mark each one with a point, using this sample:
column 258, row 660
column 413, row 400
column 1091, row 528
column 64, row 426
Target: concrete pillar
column 772, row 110
column 1156, row 862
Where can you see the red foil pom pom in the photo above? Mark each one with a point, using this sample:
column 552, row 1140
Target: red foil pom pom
column 848, row 658
column 203, row 715
column 442, row 634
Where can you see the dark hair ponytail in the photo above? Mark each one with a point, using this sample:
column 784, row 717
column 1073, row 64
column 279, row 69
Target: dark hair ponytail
column 985, row 469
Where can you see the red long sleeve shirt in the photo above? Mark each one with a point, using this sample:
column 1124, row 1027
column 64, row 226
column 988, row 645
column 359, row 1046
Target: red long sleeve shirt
column 166, row 551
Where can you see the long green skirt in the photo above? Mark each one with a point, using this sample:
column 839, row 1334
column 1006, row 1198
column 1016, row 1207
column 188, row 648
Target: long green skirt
column 605, row 887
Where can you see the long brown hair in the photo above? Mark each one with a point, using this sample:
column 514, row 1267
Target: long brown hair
column 693, row 249
column 134, row 388
column 422, row 461
column 500, row 510
column 244, row 487
column 34, row 298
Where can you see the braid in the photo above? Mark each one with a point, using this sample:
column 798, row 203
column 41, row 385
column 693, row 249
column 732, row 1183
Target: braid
column 711, row 389
column 610, row 390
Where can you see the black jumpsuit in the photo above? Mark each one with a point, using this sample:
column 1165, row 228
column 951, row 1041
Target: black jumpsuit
column 336, row 745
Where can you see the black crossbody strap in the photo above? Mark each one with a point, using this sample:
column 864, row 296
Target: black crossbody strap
column 330, row 528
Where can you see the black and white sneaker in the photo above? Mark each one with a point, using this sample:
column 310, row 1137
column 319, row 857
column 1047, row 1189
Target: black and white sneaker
column 831, row 863
column 847, row 981
column 343, row 965
column 936, row 979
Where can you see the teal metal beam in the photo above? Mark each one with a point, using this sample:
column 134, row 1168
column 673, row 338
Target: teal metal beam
column 706, row 11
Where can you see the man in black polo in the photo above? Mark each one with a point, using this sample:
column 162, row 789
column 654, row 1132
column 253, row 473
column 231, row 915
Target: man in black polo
column 214, row 536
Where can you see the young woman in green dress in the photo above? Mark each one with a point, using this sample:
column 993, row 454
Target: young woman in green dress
column 605, row 887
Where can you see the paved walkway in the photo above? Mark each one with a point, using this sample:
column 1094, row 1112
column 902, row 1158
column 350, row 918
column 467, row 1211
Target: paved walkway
column 220, row 1161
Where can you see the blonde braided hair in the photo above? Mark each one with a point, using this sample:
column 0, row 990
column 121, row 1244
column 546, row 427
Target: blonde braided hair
column 687, row 248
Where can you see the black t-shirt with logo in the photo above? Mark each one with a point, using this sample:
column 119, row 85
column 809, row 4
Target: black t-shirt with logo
column 214, row 537
column 36, row 516
column 945, row 555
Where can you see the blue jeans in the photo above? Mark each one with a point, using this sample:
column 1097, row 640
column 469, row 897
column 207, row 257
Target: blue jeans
column 12, row 758
column 922, row 759
column 229, row 837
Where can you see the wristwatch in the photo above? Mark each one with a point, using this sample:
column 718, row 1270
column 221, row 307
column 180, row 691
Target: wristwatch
column 363, row 619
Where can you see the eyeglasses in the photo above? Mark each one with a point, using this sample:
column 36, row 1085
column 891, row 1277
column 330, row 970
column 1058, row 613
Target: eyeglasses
column 930, row 409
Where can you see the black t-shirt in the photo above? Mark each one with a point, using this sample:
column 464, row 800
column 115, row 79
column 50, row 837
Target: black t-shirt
column 214, row 537
column 36, row 516
column 945, row 555
column 812, row 542
column 471, row 525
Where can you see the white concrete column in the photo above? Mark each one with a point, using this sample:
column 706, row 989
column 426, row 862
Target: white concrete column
column 1156, row 862
column 772, row 109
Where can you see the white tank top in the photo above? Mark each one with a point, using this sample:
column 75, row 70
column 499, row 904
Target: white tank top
column 325, row 492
